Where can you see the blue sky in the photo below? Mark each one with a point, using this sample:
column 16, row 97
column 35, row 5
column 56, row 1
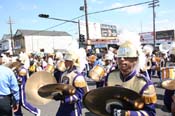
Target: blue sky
column 24, row 14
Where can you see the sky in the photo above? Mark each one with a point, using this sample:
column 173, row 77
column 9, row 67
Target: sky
column 24, row 15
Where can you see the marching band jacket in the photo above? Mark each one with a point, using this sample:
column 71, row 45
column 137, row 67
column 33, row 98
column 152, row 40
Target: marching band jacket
column 72, row 104
column 22, row 79
column 139, row 84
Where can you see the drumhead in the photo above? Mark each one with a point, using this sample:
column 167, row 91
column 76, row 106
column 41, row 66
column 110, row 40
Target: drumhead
column 168, row 84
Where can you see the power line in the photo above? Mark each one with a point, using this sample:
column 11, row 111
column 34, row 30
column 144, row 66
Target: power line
column 137, row 4
column 120, row 7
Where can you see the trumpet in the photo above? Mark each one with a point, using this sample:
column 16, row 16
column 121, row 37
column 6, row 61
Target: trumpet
column 148, row 63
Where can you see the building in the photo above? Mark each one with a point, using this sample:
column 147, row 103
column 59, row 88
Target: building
column 5, row 44
column 35, row 40
column 100, row 35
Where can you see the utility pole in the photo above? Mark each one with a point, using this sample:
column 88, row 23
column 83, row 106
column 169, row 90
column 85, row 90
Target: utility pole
column 11, row 33
column 86, row 20
column 153, row 5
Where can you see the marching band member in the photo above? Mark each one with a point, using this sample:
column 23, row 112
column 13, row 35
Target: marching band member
column 169, row 95
column 160, row 63
column 129, row 58
column 109, row 66
column 147, row 50
column 154, row 65
column 99, row 62
column 60, row 66
column 71, row 105
column 22, row 75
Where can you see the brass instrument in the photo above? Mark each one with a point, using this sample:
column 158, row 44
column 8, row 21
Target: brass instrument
column 147, row 50
column 164, row 48
column 172, row 49
column 148, row 63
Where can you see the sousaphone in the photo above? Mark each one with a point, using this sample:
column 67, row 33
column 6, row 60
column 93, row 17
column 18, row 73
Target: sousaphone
column 164, row 47
column 172, row 49
column 34, row 82
column 148, row 49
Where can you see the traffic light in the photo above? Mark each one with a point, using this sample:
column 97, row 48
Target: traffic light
column 43, row 15
column 81, row 38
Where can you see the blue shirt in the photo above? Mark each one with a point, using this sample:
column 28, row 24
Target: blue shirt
column 8, row 83
column 98, row 62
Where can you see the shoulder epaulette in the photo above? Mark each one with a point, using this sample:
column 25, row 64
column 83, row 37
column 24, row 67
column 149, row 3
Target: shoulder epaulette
column 80, row 82
column 149, row 95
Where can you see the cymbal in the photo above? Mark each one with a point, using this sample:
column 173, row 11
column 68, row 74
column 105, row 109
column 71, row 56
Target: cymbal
column 96, row 100
column 168, row 84
column 48, row 91
column 34, row 82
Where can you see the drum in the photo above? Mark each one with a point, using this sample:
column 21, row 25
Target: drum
column 49, row 68
column 97, row 73
column 168, row 78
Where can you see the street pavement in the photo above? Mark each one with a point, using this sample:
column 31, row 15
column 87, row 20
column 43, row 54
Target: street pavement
column 50, row 109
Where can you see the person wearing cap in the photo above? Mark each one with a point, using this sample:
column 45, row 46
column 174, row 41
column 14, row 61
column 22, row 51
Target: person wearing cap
column 130, row 60
column 60, row 66
column 71, row 105
column 9, row 91
column 109, row 66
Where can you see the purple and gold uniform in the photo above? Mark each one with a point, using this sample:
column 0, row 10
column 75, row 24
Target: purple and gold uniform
column 131, row 60
column 22, row 78
column 72, row 104
column 139, row 84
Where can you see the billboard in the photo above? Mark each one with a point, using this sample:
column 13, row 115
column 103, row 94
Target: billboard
column 165, row 36
column 108, row 30
column 98, row 31
column 146, row 37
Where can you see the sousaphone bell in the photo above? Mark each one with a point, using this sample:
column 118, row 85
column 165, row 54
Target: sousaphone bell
column 34, row 82
column 97, row 99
